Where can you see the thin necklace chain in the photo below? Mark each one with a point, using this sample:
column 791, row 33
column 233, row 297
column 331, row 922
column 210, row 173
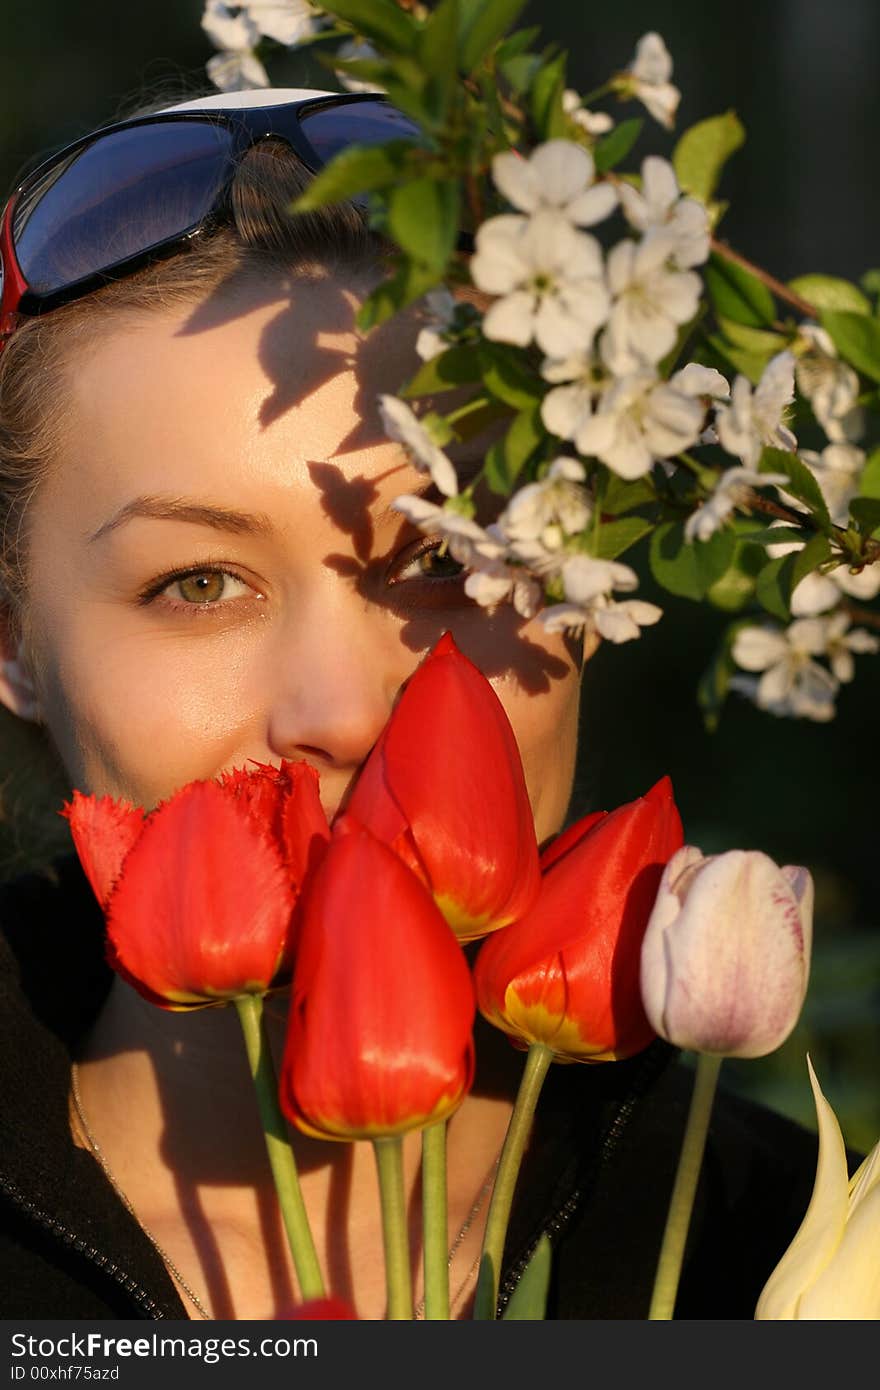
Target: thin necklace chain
column 99, row 1155
column 419, row 1310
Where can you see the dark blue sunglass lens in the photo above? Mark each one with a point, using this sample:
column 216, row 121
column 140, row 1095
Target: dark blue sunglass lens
column 116, row 198
column 330, row 129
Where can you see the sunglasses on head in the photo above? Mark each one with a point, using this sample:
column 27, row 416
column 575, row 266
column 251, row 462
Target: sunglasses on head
column 78, row 220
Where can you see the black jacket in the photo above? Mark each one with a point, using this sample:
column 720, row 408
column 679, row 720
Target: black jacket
column 597, row 1176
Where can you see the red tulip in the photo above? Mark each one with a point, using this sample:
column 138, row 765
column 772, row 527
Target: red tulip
column 444, row 787
column 380, row 1030
column 567, row 974
column 199, row 894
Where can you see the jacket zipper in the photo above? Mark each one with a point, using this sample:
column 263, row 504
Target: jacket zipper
column 138, row 1295
column 562, row 1216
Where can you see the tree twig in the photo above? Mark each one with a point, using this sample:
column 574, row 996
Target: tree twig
column 775, row 286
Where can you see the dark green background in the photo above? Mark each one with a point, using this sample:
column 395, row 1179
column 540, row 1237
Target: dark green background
column 804, row 196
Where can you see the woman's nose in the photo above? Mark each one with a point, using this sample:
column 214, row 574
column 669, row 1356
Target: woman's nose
column 335, row 683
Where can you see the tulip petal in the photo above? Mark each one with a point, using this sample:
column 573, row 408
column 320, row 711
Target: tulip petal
column 822, row 1228
column 569, row 838
column 447, row 767
column 103, row 832
column 726, row 955
column 567, row 974
column 202, row 909
column 380, row 1037
column 849, row 1288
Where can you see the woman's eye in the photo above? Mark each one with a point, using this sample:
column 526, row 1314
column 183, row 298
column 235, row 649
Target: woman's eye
column 201, row 588
column 431, row 562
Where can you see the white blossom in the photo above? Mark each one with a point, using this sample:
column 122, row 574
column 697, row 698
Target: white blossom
column 792, row 681
column 570, row 404
column 841, row 642
column 659, row 203
column 837, row 470
column 831, row 386
column 616, row 622
column 463, row 535
column 285, row 21
column 229, row 27
column 402, row 424
column 558, row 176
column 650, row 299
column 639, row 420
column 753, row 419
column 588, row 584
column 236, row 71
column 697, row 380
column 731, row 491
column 593, row 122
column 550, row 280
column 648, row 79
column 559, row 500
column 439, row 308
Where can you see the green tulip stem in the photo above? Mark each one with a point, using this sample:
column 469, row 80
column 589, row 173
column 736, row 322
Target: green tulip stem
column 435, row 1222
column 684, row 1188
column 395, row 1236
column 538, row 1061
column 281, row 1159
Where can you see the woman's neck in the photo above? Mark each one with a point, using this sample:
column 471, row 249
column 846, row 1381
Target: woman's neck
column 170, row 1100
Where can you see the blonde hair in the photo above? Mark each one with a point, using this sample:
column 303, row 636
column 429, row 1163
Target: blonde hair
column 261, row 237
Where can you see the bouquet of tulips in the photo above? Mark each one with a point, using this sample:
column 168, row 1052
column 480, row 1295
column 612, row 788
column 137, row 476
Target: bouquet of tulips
column 614, row 933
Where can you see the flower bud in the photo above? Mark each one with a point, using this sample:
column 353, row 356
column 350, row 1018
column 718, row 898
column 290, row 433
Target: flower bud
column 831, row 1270
column 726, row 954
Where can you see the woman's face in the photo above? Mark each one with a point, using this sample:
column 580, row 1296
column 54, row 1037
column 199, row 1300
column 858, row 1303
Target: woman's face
column 215, row 571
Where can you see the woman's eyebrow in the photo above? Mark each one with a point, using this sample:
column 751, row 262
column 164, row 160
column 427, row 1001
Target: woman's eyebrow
column 162, row 508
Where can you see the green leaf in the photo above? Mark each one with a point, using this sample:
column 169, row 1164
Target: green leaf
column 409, row 282
column 520, row 71
column 516, row 44
column 870, row 281
column 438, row 47
column 714, row 556
column 753, row 340
column 674, row 562
column 780, row 577
column 546, row 94
column 357, row 169
column 773, row 589
column 702, row 152
column 814, row 553
column 856, row 337
column 506, row 458
column 617, row 536
column 423, row 219
column 622, row 496
column 616, row 145
column 383, row 21
column 779, row 535
column 739, row 295
column 528, row 1302
column 508, row 377
column 866, row 512
column 869, row 482
column 749, row 364
column 737, row 585
column 455, row 367
column 801, row 482
column 830, row 292
column 483, row 23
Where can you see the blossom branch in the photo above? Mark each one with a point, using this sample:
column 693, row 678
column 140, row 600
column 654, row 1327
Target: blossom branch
column 775, row 286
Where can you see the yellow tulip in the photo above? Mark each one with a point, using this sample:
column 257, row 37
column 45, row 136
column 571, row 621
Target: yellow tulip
column 831, row 1270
